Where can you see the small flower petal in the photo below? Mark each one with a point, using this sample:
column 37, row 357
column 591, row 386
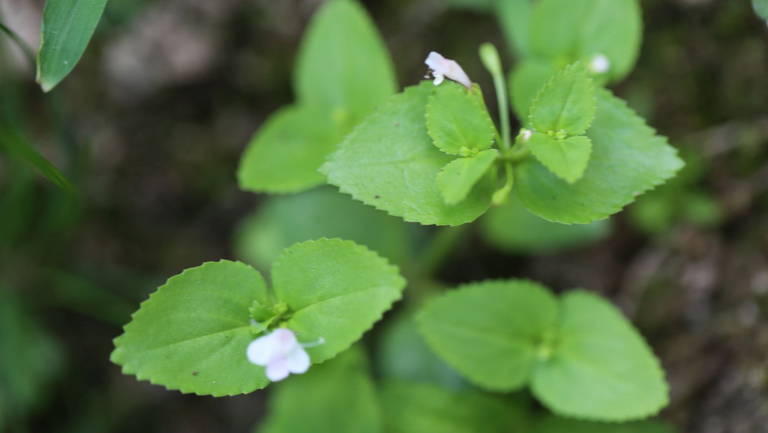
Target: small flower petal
column 442, row 67
column 285, row 340
column 277, row 369
column 298, row 361
column 281, row 354
column 435, row 61
column 261, row 350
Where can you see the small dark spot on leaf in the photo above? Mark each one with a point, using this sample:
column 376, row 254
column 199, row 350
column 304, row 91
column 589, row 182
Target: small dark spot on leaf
column 397, row 123
column 377, row 196
column 194, row 373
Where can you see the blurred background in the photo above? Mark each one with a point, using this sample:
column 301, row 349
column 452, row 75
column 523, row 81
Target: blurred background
column 150, row 127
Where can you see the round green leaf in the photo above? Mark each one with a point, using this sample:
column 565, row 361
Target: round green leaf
column 628, row 158
column 566, row 158
column 513, row 228
column 456, row 119
column 491, row 331
column 192, row 334
column 456, row 179
column 335, row 291
column 566, row 31
column 322, row 212
column 336, row 397
column 389, row 162
column 426, row 408
column 286, row 153
column 343, row 65
column 601, row 368
column 566, row 103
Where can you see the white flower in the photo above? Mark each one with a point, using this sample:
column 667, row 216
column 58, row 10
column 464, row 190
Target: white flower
column 280, row 353
column 525, row 135
column 599, row 64
column 442, row 68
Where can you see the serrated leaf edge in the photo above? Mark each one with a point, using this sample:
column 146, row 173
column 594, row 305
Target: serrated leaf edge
column 549, row 84
column 557, row 174
column 402, row 282
column 488, row 119
column 485, row 173
column 622, row 105
column 410, row 218
column 128, row 369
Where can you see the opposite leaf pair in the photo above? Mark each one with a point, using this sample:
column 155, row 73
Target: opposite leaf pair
column 561, row 114
column 192, row 334
column 579, row 355
column 390, row 162
column 459, row 124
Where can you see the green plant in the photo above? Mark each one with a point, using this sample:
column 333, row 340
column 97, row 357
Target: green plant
column 431, row 155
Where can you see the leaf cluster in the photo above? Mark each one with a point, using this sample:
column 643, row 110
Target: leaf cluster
column 192, row 334
column 343, row 72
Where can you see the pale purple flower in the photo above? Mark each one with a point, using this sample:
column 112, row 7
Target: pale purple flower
column 442, row 68
column 280, row 352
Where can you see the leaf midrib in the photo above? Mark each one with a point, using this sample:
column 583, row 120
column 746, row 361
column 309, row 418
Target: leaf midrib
column 340, row 296
column 238, row 330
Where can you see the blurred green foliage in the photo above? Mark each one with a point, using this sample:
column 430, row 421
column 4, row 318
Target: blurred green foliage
column 29, row 360
column 404, row 356
column 282, row 221
column 761, row 8
column 513, row 228
column 682, row 200
column 336, row 397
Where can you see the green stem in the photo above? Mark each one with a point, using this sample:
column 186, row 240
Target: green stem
column 519, row 155
column 490, row 57
column 480, row 101
column 501, row 91
column 501, row 195
column 498, row 138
